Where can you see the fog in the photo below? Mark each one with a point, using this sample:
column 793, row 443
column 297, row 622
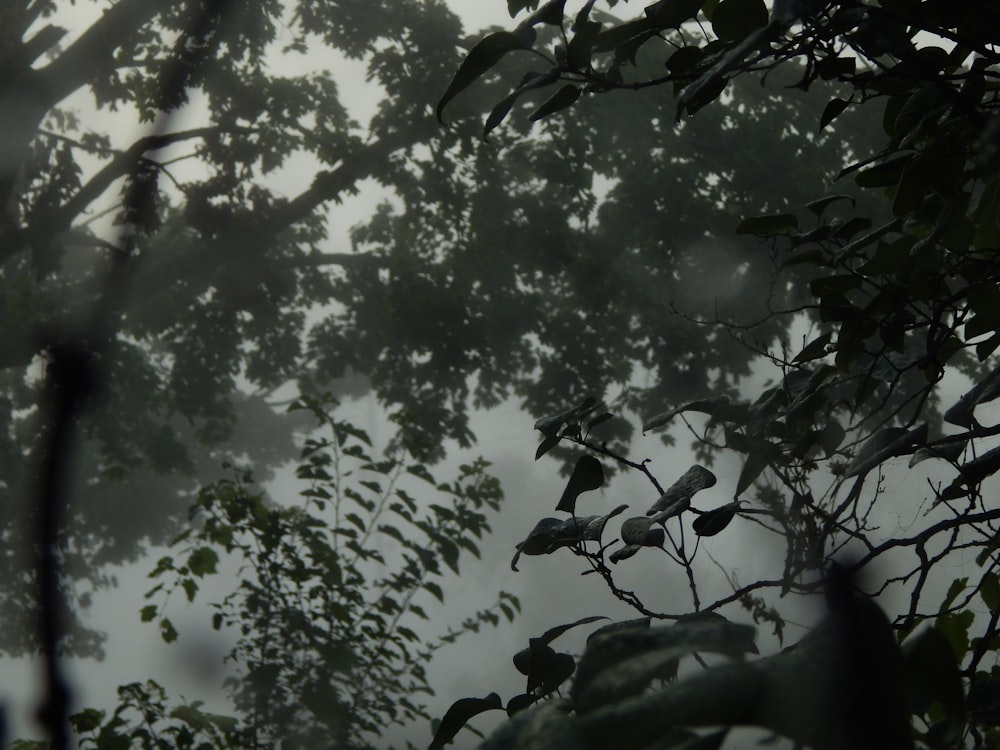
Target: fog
column 456, row 288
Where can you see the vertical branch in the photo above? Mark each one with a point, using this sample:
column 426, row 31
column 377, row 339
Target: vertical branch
column 72, row 374
column 70, row 378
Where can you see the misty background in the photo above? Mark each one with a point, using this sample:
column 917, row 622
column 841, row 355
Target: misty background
column 584, row 250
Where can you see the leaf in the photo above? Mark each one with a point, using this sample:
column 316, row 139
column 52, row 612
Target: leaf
column 883, row 445
column 167, row 631
column 520, row 702
column 599, row 419
column 819, row 206
column 961, row 412
column 550, row 442
column 756, row 462
column 932, row 672
column 641, row 623
column 670, row 14
column 203, row 561
column 734, row 20
column 588, row 474
column 564, row 97
column 147, row 613
column 705, row 405
column 552, row 633
column 678, row 496
column 949, row 452
column 642, row 531
column 624, row 553
column 459, row 714
column 484, row 55
column 620, row 664
column 86, row 720
column 548, row 669
column 499, row 113
column 885, row 173
column 712, row 522
column 768, row 225
column 831, row 111
column 551, row 534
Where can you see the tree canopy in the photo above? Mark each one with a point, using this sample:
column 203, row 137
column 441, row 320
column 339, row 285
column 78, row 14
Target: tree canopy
column 174, row 247
column 901, row 299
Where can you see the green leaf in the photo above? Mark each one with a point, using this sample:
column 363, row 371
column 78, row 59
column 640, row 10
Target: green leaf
column 712, row 522
column 957, row 587
column 190, row 588
column 487, row 53
column 86, row 720
column 588, row 474
column 459, row 714
column 147, row 613
column 167, row 631
column 831, row 111
column 989, row 590
column 734, row 20
column 955, row 628
column 564, row 97
column 768, row 225
column 203, row 561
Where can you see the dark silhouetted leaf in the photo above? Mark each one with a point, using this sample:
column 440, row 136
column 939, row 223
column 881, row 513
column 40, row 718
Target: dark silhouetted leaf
column 883, row 445
column 550, row 442
column 520, row 702
column 588, row 474
column 830, row 112
column 705, row 405
column 642, row 531
column 564, row 97
column 820, row 205
column 734, row 20
column 459, row 714
column 712, row 522
column 487, row 53
column 770, row 224
column 670, row 14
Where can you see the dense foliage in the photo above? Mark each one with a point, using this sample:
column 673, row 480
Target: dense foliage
column 900, row 304
column 171, row 173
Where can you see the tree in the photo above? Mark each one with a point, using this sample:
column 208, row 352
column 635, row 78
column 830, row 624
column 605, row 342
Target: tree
column 205, row 264
column 331, row 608
column 896, row 305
